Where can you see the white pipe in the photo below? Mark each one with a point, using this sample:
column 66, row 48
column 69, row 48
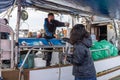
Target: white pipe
column 101, row 50
column 25, row 58
column 12, row 50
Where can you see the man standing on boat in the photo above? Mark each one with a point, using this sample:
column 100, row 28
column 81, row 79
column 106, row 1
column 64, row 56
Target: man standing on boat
column 50, row 26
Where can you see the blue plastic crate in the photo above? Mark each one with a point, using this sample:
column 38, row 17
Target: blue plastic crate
column 55, row 41
column 33, row 41
column 44, row 41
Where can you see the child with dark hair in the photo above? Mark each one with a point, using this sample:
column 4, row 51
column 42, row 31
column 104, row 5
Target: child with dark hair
column 83, row 66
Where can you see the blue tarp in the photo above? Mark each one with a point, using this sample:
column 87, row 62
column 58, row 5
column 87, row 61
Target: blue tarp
column 110, row 8
column 39, row 41
column 5, row 4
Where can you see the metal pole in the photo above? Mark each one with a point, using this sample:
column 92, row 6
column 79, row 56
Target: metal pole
column 116, row 32
column 73, row 20
column 115, row 27
column 17, row 31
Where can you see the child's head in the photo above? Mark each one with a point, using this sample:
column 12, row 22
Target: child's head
column 78, row 33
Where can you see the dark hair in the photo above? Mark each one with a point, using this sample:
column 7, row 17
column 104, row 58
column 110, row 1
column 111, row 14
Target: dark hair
column 6, row 21
column 50, row 14
column 78, row 33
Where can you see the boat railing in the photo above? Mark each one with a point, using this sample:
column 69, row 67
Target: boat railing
column 9, row 43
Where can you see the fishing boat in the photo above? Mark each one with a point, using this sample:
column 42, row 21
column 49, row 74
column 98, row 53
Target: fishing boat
column 100, row 17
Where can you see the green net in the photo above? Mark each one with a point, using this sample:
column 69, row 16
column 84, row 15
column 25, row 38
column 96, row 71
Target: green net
column 107, row 50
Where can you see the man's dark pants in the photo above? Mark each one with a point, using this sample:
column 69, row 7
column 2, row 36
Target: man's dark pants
column 49, row 53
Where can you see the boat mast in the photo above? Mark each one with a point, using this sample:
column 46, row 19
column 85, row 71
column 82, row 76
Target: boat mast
column 17, row 31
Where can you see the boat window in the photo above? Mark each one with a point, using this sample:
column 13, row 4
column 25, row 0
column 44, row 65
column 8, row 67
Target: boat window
column 4, row 35
column 99, row 31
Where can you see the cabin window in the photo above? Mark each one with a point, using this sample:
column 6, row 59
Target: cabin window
column 4, row 35
column 99, row 31
column 102, row 32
